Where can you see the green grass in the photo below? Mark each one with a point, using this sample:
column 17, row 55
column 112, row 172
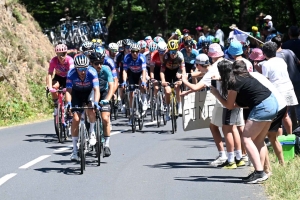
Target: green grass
column 285, row 180
column 17, row 15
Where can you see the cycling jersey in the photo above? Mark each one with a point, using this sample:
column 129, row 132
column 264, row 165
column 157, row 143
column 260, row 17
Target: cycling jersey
column 61, row 69
column 105, row 76
column 189, row 59
column 75, row 83
column 175, row 63
column 135, row 66
column 154, row 59
column 109, row 62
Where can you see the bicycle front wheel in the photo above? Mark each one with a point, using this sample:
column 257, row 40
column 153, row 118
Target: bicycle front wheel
column 99, row 144
column 173, row 117
column 141, row 118
column 133, row 127
column 158, row 109
column 60, row 125
column 82, row 149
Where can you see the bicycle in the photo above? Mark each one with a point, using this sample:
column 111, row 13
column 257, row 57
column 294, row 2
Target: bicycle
column 62, row 126
column 174, row 111
column 159, row 106
column 126, row 101
column 137, row 108
column 114, row 106
column 151, row 100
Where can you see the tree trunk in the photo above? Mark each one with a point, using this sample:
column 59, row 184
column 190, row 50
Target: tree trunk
column 110, row 13
column 291, row 9
column 243, row 14
column 166, row 24
column 129, row 15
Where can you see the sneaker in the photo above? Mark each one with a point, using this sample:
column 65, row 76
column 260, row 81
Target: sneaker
column 74, row 156
column 168, row 116
column 219, row 161
column 239, row 163
column 255, row 178
column 123, row 110
column 245, row 158
column 107, row 152
column 130, row 122
column 92, row 140
column 179, row 110
column 145, row 106
column 120, row 105
column 227, row 165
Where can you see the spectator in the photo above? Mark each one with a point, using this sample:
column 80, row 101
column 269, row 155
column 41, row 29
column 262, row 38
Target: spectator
column 199, row 33
column 294, row 42
column 275, row 69
column 236, row 51
column 206, row 30
column 271, row 33
column 219, row 34
column 269, row 22
column 258, row 59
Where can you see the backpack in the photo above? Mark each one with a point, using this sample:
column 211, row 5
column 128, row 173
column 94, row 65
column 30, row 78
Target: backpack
column 296, row 132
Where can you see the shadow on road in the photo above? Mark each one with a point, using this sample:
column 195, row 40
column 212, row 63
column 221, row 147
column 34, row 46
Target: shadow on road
column 198, row 163
column 225, row 179
column 207, row 139
column 46, row 138
column 66, row 171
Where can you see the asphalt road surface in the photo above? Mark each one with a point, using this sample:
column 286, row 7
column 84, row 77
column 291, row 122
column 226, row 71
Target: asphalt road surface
column 149, row 164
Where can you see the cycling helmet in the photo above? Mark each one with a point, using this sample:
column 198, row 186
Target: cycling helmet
column 205, row 45
column 113, row 47
column 172, row 45
column 120, row 43
column 134, row 47
column 98, row 54
column 142, row 44
column 86, row 46
column 209, row 39
column 148, row 38
column 81, row 61
column 148, row 42
column 188, row 42
column 127, row 42
column 97, row 42
column 216, row 40
column 61, row 48
column 152, row 46
column 162, row 46
column 158, row 39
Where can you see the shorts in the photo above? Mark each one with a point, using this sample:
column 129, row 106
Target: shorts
column 246, row 112
column 290, row 97
column 277, row 122
column 80, row 99
column 61, row 80
column 217, row 115
column 265, row 111
column 104, row 108
column 157, row 73
column 134, row 79
column 170, row 75
column 121, row 75
column 233, row 117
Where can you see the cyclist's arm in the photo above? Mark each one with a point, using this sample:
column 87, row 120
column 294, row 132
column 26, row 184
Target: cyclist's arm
column 69, row 85
column 162, row 74
column 144, row 68
column 115, row 84
column 111, row 84
column 152, row 71
column 50, row 73
column 125, row 68
column 96, row 93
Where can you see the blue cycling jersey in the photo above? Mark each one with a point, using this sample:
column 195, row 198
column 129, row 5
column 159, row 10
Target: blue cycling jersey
column 105, row 76
column 135, row 66
column 110, row 62
column 75, row 83
column 189, row 59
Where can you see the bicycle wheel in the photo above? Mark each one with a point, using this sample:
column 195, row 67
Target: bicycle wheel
column 158, row 109
column 82, row 149
column 59, row 125
column 133, row 127
column 151, row 103
column 99, row 144
column 141, row 118
column 173, row 115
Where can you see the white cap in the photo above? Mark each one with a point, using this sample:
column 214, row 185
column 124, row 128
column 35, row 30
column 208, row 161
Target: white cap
column 268, row 17
column 202, row 59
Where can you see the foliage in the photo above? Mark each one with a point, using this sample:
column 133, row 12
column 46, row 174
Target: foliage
column 17, row 15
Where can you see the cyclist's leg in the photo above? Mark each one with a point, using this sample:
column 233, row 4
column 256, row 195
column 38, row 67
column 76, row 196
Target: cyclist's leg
column 105, row 115
column 157, row 78
column 133, row 78
column 92, row 117
column 143, row 92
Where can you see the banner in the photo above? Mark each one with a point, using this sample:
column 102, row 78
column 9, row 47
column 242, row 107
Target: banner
column 197, row 110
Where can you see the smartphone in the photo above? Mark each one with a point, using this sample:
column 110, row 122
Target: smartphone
column 214, row 83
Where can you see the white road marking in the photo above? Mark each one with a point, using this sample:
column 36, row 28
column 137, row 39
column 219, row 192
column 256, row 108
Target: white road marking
column 6, row 178
column 29, row 164
column 62, row 149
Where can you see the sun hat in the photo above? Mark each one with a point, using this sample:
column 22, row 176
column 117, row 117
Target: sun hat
column 215, row 50
column 233, row 26
column 202, row 59
column 235, row 48
column 199, row 28
column 257, row 54
column 254, row 28
column 268, row 17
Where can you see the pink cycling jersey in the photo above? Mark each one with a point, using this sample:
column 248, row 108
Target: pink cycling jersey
column 61, row 69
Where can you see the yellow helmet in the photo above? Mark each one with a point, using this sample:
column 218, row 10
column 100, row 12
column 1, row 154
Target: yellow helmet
column 99, row 41
column 173, row 45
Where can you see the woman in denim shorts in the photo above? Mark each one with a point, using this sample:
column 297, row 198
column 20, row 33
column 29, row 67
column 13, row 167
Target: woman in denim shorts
column 240, row 89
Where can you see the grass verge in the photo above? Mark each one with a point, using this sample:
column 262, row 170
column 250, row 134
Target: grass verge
column 285, row 180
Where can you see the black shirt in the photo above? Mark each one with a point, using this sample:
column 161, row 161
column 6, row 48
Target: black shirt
column 294, row 45
column 119, row 60
column 250, row 92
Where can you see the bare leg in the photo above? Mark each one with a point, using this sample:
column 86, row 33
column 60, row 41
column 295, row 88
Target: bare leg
column 217, row 136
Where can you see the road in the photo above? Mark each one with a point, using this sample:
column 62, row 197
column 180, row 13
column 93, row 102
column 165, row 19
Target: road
column 148, row 164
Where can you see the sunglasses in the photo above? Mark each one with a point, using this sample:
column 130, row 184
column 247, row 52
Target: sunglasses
column 113, row 51
column 173, row 52
column 188, row 46
column 62, row 54
column 98, row 63
column 161, row 52
column 121, row 49
column 81, row 69
column 87, row 53
column 134, row 51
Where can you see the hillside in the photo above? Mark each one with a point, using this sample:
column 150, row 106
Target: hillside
column 24, row 57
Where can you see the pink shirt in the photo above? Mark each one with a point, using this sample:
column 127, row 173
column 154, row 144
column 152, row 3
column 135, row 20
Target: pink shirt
column 61, row 69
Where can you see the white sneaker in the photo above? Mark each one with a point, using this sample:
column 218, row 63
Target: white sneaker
column 145, row 105
column 123, row 110
column 92, row 140
column 218, row 161
column 74, row 156
column 168, row 116
column 179, row 110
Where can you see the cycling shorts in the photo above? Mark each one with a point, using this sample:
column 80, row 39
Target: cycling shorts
column 60, row 80
column 104, row 108
column 80, row 99
column 170, row 75
column 134, row 78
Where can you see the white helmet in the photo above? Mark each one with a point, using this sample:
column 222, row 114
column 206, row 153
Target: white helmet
column 135, row 47
column 113, row 46
column 161, row 46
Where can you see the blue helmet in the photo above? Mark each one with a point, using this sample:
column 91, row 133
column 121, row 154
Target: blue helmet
column 210, row 39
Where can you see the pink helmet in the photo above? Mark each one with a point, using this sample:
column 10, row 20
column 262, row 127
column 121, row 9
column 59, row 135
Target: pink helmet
column 199, row 28
column 61, row 48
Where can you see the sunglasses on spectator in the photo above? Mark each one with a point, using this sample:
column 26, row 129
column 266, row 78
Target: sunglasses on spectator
column 98, row 63
column 81, row 69
column 61, row 54
column 134, row 51
column 173, row 52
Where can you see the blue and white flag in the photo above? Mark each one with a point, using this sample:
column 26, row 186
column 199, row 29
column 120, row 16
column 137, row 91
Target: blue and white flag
column 238, row 35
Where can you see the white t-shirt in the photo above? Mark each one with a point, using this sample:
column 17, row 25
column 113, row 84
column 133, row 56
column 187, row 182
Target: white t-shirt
column 248, row 64
column 275, row 69
column 263, row 80
column 220, row 35
column 270, row 24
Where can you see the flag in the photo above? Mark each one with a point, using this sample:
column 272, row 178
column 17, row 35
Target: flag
column 238, row 35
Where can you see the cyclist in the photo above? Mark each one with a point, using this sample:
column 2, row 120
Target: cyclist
column 173, row 62
column 189, row 55
column 97, row 42
column 143, row 46
column 113, row 49
column 112, row 65
column 82, row 88
column 106, row 84
column 61, row 63
column 87, row 48
column 136, row 63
